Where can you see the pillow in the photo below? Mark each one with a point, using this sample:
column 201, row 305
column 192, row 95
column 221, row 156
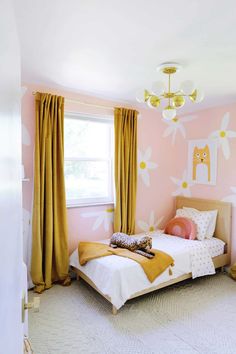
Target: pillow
column 212, row 225
column 201, row 220
column 181, row 227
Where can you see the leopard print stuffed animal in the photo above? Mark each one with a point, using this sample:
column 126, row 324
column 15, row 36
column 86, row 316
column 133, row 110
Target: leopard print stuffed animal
column 140, row 246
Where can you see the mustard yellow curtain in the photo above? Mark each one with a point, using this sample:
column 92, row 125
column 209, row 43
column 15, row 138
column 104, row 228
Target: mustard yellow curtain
column 125, row 126
column 50, row 258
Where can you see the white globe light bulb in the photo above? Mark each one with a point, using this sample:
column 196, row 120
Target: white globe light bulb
column 149, row 103
column 200, row 96
column 169, row 113
column 187, row 87
column 153, row 102
column 158, row 88
column 140, row 96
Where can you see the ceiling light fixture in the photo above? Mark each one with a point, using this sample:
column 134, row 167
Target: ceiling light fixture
column 176, row 99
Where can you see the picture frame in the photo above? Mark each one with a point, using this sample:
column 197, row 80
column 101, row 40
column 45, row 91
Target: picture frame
column 202, row 161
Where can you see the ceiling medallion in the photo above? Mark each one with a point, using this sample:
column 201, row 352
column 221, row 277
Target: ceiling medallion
column 175, row 100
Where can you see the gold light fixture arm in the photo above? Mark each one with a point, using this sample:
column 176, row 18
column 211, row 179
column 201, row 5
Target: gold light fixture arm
column 169, row 89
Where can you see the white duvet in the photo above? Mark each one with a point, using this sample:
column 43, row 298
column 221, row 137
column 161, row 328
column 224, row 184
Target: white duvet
column 120, row 278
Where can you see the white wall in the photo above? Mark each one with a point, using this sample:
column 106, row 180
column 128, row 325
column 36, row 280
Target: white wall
column 10, row 185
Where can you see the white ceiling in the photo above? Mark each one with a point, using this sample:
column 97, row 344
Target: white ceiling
column 112, row 48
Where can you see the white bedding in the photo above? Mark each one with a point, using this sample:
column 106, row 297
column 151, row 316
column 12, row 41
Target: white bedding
column 120, row 278
column 215, row 246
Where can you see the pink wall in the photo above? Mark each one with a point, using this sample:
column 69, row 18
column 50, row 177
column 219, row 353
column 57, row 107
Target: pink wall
column 164, row 158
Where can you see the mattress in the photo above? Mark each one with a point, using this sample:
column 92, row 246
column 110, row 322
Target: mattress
column 120, row 278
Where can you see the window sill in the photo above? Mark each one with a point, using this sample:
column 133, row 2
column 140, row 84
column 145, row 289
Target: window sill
column 70, row 206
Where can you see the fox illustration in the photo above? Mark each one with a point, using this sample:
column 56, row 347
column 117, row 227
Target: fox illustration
column 201, row 156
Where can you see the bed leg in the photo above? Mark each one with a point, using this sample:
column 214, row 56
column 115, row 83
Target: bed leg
column 77, row 277
column 114, row 310
column 222, row 269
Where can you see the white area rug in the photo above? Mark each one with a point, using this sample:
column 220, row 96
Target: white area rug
column 195, row 317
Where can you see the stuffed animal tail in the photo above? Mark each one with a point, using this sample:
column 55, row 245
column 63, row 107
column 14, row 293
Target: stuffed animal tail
column 145, row 254
column 113, row 246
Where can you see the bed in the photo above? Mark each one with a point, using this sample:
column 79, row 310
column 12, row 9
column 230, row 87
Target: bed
column 120, row 279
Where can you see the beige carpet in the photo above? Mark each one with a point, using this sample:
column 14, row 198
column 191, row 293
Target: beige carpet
column 196, row 317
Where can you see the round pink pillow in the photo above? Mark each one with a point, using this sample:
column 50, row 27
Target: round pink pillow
column 181, row 227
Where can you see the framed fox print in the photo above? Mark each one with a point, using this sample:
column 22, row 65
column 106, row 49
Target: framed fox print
column 202, row 161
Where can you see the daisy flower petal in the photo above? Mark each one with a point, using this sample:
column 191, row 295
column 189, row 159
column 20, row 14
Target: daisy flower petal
column 187, row 192
column 145, row 177
column 173, row 136
column 182, row 130
column 151, row 165
column 98, row 221
column 140, row 155
column 231, row 134
column 184, row 175
column 140, row 117
column 140, row 172
column 26, row 140
column 176, row 181
column 214, row 134
column 151, row 218
column 225, row 148
column 147, row 153
column 177, row 192
column 188, row 118
column 230, row 199
column 168, row 122
column 225, row 121
column 168, row 131
column 143, row 225
column 157, row 223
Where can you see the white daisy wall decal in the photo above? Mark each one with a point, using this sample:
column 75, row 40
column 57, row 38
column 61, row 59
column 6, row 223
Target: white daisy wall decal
column 103, row 217
column 144, row 165
column 232, row 197
column 151, row 225
column 183, row 185
column 223, row 135
column 176, row 125
column 25, row 135
column 140, row 117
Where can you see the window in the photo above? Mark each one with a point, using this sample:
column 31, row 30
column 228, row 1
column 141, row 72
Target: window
column 88, row 159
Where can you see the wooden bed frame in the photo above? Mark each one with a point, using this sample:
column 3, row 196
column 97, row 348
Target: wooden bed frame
column 222, row 231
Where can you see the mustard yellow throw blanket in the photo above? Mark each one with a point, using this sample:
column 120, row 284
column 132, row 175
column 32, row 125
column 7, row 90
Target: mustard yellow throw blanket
column 152, row 267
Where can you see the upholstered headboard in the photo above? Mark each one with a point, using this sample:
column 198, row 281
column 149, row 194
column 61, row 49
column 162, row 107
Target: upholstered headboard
column 223, row 223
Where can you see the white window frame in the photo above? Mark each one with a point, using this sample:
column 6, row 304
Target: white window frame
column 108, row 120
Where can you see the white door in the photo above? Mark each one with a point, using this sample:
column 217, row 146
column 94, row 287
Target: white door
column 11, row 269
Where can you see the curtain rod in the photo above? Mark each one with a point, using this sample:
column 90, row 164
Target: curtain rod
column 81, row 102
